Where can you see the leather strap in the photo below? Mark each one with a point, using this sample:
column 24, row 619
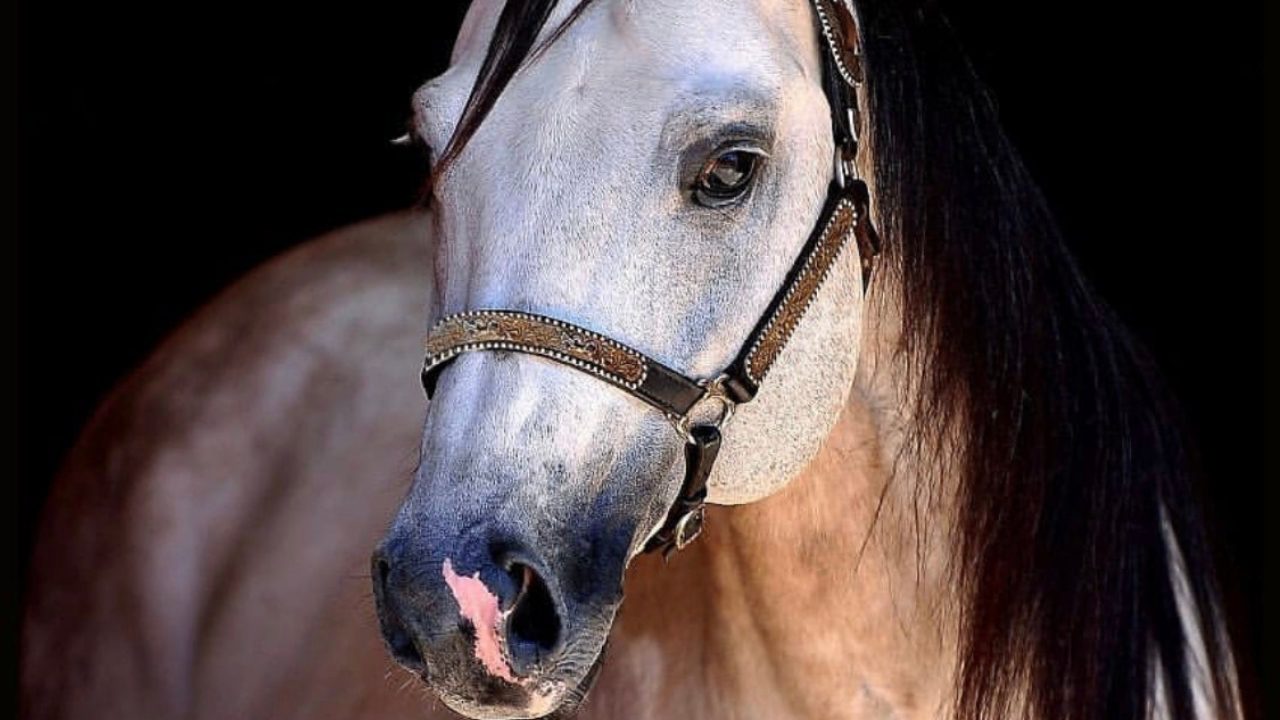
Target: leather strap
column 642, row 376
column 844, row 212
column 689, row 509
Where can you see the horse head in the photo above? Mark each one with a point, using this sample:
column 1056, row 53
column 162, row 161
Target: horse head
column 650, row 174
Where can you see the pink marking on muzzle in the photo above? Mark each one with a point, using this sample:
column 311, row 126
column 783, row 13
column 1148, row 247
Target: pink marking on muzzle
column 480, row 606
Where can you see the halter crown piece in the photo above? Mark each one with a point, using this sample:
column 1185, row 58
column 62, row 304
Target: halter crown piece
column 686, row 401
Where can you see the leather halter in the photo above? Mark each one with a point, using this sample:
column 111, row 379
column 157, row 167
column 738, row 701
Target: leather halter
column 699, row 408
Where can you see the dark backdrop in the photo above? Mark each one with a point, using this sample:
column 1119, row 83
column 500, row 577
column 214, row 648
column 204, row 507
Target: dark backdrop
column 164, row 149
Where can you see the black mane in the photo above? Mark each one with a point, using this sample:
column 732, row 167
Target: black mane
column 1075, row 462
column 1074, row 466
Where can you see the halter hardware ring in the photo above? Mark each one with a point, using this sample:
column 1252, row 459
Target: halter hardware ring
column 846, row 156
column 714, row 391
column 846, row 169
column 689, row 527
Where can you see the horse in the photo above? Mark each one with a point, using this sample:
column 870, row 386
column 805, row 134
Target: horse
column 962, row 491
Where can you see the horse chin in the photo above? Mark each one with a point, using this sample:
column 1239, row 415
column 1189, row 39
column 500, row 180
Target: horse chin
column 547, row 699
column 536, row 705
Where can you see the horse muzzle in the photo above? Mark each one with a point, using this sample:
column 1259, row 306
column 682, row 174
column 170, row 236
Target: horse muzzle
column 486, row 623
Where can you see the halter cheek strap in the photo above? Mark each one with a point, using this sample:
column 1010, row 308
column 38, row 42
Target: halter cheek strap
column 699, row 408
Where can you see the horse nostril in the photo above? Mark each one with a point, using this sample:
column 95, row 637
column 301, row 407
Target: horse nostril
column 533, row 630
column 397, row 636
column 384, row 570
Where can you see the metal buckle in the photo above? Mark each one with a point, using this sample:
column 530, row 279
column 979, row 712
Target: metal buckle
column 846, row 165
column 689, row 527
column 714, row 391
column 846, row 153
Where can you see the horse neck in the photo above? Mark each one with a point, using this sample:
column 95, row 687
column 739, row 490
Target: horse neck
column 829, row 599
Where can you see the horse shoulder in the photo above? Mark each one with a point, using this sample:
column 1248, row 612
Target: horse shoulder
column 204, row 549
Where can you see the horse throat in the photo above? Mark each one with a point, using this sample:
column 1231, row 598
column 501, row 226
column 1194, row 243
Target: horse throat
column 828, row 599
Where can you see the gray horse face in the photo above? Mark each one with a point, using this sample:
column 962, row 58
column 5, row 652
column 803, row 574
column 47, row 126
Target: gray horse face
column 605, row 189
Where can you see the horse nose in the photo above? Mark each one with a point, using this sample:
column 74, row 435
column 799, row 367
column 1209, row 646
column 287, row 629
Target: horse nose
column 503, row 609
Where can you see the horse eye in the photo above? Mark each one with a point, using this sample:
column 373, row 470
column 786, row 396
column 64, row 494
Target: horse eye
column 726, row 177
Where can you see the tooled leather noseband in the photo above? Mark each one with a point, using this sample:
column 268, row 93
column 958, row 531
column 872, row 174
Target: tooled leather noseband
column 681, row 398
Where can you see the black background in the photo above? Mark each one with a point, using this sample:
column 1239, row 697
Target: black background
column 165, row 149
